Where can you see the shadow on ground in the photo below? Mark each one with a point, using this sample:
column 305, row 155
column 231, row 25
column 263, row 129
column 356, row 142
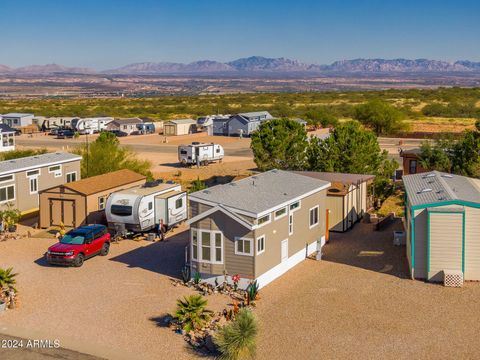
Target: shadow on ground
column 163, row 257
column 369, row 249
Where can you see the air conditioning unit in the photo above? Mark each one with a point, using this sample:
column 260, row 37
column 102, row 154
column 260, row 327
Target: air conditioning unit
column 452, row 278
column 399, row 238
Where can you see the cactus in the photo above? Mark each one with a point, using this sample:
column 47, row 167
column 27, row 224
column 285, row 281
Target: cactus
column 252, row 291
column 186, row 274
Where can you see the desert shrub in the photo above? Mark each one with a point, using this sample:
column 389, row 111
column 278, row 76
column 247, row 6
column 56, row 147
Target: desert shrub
column 191, row 312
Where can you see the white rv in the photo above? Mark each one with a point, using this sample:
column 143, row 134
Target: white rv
column 141, row 209
column 200, row 153
column 91, row 125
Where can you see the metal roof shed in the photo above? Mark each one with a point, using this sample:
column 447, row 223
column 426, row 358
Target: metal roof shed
column 442, row 220
column 179, row 127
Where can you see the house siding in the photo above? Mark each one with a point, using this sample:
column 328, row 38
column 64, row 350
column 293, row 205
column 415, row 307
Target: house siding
column 472, row 243
column 420, row 243
column 445, row 243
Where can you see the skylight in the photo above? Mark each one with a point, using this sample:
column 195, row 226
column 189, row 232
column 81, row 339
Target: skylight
column 426, row 190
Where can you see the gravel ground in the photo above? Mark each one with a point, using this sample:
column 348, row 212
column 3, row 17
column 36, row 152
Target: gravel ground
column 356, row 306
column 356, row 303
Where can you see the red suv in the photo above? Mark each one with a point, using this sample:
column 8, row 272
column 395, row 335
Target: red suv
column 79, row 244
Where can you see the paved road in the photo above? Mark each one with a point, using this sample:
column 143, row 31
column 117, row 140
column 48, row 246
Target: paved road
column 149, row 148
column 30, row 353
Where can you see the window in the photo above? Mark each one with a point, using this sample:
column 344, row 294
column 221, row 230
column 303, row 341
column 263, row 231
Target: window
column 7, row 193
column 314, row 216
column 280, row 213
column 56, row 170
column 101, row 203
column 290, row 224
column 33, row 185
column 71, row 177
column 295, row 206
column 6, row 178
column 260, row 244
column 218, row 247
column 243, row 246
column 206, row 250
column 218, row 150
column 263, row 220
column 194, row 244
column 413, row 167
column 121, row 210
column 178, row 203
column 33, row 173
column 150, row 205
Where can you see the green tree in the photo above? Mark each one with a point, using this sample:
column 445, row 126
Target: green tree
column 237, row 340
column 197, row 185
column 380, row 116
column 352, row 149
column 436, row 156
column 105, row 155
column 192, row 313
column 320, row 116
column 279, row 144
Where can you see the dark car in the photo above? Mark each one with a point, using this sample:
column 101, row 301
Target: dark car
column 118, row 133
column 78, row 245
column 65, row 134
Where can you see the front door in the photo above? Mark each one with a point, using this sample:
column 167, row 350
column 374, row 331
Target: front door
column 284, row 250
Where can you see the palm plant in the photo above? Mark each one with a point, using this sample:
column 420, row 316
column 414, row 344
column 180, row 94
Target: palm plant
column 7, row 280
column 237, row 340
column 192, row 313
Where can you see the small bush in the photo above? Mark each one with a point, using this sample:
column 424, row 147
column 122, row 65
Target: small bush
column 192, row 313
column 238, row 340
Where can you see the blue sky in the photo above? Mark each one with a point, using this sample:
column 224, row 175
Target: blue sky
column 104, row 34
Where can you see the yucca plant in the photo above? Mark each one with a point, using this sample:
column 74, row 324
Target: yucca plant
column 7, row 280
column 238, row 340
column 186, row 274
column 196, row 278
column 252, row 291
column 192, row 313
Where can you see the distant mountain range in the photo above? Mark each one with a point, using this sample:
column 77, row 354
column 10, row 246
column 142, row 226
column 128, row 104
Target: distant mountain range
column 259, row 65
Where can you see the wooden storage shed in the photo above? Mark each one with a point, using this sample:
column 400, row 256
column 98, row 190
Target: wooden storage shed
column 347, row 198
column 83, row 202
column 442, row 221
column 179, row 127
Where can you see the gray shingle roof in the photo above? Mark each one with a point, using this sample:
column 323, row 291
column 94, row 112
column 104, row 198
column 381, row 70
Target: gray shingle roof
column 256, row 114
column 262, row 192
column 436, row 187
column 337, row 177
column 17, row 115
column 128, row 121
column 20, row 164
column 183, row 121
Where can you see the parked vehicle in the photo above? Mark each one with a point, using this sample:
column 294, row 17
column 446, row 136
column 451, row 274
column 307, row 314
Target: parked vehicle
column 78, row 245
column 91, row 125
column 200, row 153
column 141, row 209
column 118, row 133
column 65, row 134
column 144, row 128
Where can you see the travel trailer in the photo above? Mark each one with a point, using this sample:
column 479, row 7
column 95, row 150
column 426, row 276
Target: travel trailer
column 200, row 153
column 141, row 209
column 91, row 125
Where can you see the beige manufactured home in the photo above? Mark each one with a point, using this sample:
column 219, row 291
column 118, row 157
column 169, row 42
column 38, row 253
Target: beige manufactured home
column 442, row 221
column 22, row 179
column 258, row 227
column 347, row 198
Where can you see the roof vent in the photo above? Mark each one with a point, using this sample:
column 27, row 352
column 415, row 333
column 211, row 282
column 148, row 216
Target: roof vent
column 448, row 176
column 206, row 191
column 12, row 161
column 429, row 176
column 233, row 184
column 426, row 190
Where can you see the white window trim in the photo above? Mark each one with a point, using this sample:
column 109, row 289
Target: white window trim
column 266, row 222
column 30, row 178
column 70, row 173
column 5, row 181
column 35, row 175
column 212, row 246
column 57, row 173
column 14, row 193
column 290, row 214
column 318, row 217
column 104, row 202
column 283, row 215
column 252, row 244
column 192, row 231
column 264, row 244
column 298, row 208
